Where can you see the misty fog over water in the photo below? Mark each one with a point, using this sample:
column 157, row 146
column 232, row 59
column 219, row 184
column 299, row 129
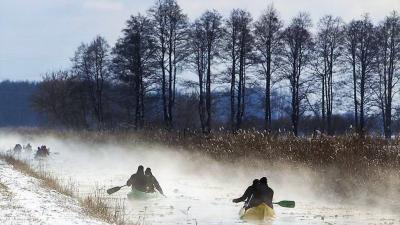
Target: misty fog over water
column 198, row 189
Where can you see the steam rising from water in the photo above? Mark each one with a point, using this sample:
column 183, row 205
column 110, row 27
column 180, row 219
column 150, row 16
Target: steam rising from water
column 195, row 181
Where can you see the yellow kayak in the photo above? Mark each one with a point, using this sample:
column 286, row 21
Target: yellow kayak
column 260, row 212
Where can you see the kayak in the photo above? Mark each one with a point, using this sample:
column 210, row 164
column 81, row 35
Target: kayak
column 41, row 156
column 140, row 195
column 260, row 212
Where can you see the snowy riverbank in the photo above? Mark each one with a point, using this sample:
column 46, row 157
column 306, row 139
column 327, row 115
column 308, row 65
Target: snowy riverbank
column 24, row 201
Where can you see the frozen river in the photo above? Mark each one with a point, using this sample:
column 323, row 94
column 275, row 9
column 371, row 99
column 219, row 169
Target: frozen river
column 199, row 190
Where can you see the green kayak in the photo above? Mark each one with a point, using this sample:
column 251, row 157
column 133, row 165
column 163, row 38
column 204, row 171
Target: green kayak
column 140, row 195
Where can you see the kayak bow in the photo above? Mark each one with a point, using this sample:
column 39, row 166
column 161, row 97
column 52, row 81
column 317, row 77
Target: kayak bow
column 140, row 195
column 260, row 212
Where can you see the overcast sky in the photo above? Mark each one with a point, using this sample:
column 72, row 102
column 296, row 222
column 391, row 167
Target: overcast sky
column 38, row 36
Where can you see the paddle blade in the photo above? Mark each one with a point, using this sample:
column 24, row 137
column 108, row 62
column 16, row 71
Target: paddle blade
column 113, row 190
column 286, row 204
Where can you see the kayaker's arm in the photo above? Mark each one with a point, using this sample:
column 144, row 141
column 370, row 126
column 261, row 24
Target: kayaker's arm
column 241, row 199
column 130, row 181
column 157, row 186
column 246, row 195
column 270, row 197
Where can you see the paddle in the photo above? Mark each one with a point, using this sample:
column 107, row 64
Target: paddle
column 247, row 203
column 114, row 189
column 286, row 204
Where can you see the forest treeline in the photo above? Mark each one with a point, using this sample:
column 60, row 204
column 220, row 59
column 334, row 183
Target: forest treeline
column 15, row 104
column 235, row 72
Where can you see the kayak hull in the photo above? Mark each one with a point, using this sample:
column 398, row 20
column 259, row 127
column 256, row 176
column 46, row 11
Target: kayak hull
column 140, row 195
column 260, row 212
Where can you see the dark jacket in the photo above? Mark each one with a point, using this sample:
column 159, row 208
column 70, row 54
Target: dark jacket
column 256, row 195
column 246, row 195
column 138, row 182
column 262, row 194
column 152, row 184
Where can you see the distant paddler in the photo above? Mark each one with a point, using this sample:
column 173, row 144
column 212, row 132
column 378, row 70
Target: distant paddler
column 17, row 148
column 42, row 151
column 143, row 185
column 28, row 147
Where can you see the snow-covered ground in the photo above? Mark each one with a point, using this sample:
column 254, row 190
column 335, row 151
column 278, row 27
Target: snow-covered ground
column 24, row 201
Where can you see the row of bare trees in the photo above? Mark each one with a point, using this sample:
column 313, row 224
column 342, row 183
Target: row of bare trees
column 162, row 54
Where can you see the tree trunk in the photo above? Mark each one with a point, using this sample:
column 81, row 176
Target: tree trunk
column 201, row 91
column 356, row 127
column 208, row 90
column 268, row 89
column 233, row 81
column 362, row 100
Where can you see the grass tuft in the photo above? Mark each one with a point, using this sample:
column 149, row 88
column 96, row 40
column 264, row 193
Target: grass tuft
column 99, row 206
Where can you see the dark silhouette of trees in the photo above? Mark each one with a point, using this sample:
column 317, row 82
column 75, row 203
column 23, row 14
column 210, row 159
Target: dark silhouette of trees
column 329, row 48
column 204, row 47
column 351, row 45
column 387, row 64
column 91, row 64
column 171, row 33
column 268, row 43
column 134, row 62
column 297, row 55
column 276, row 78
column 239, row 43
column 15, row 104
column 361, row 45
column 61, row 97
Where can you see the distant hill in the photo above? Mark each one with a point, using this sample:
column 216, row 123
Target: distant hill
column 15, row 106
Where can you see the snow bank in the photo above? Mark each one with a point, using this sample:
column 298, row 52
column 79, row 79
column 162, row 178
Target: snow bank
column 24, row 201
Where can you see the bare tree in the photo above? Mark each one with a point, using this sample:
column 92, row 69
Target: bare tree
column 171, row 35
column 199, row 59
column 91, row 64
column 329, row 46
column 239, row 44
column 232, row 33
column 298, row 54
column 268, row 44
column 387, row 68
column 362, row 47
column 134, row 61
column 351, row 45
column 60, row 96
column 204, row 46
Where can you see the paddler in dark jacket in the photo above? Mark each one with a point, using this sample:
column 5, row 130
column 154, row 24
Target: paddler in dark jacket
column 152, row 182
column 266, row 193
column 248, row 195
column 257, row 194
column 138, row 180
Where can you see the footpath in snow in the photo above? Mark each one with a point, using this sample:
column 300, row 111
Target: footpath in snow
column 24, row 201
